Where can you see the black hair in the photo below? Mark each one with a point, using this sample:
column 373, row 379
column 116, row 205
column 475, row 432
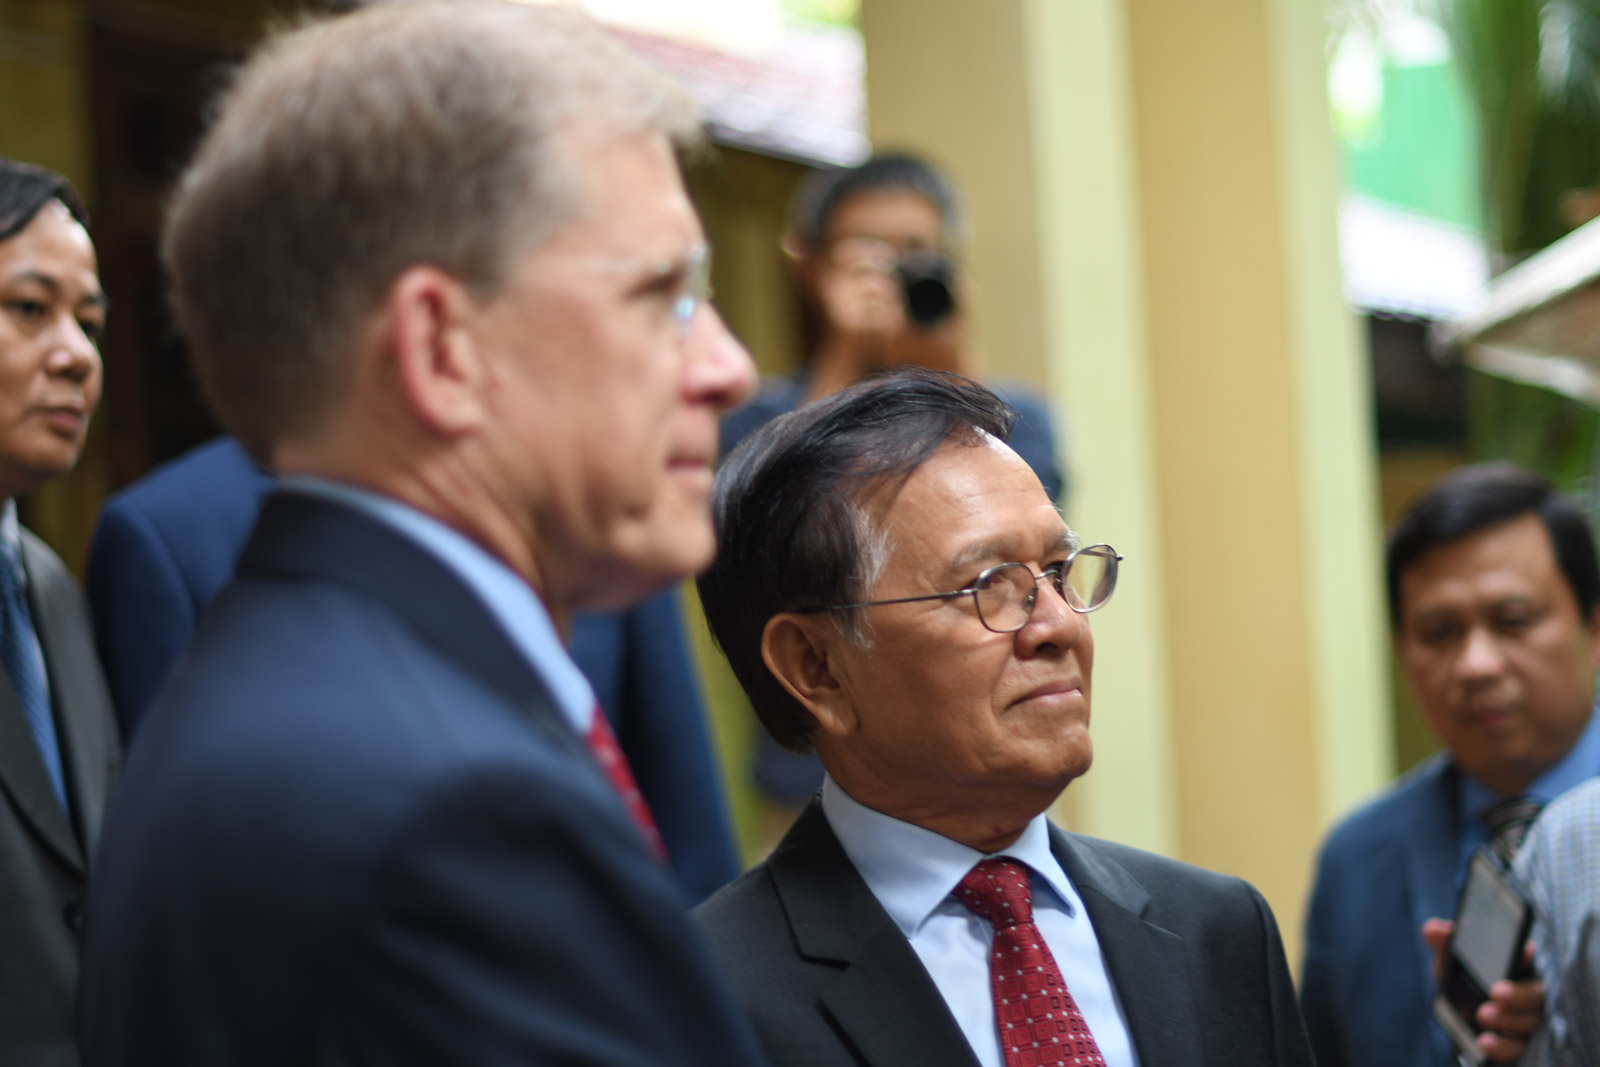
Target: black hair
column 820, row 193
column 791, row 511
column 1473, row 498
column 25, row 189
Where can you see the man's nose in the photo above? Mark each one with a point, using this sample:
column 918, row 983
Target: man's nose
column 1481, row 655
column 1052, row 623
column 720, row 371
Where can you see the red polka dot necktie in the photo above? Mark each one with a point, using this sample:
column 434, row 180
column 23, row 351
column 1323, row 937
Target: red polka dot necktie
column 603, row 743
column 1040, row 1025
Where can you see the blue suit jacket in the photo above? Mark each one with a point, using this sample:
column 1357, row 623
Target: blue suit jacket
column 1367, row 991
column 164, row 546
column 356, row 830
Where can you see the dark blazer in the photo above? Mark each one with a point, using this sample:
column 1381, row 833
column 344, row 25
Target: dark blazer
column 44, row 855
column 356, row 830
column 1368, row 982
column 164, row 546
column 829, row 980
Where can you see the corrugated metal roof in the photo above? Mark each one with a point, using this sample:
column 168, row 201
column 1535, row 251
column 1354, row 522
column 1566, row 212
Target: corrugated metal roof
column 1400, row 263
column 803, row 99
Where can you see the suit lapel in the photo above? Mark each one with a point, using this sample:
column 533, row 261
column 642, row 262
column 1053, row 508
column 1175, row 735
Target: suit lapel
column 89, row 754
column 22, row 772
column 882, row 1001
column 1148, row 964
column 300, row 536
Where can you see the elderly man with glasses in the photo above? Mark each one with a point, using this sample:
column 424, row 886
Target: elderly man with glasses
column 895, row 589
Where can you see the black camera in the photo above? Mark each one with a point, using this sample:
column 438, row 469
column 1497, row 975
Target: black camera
column 925, row 281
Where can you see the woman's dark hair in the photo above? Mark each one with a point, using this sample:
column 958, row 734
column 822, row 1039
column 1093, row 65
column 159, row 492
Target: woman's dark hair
column 1473, row 498
column 25, row 188
column 797, row 504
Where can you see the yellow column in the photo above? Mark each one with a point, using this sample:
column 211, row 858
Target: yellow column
column 1153, row 188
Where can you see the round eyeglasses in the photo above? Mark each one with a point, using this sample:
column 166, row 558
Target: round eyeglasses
column 1005, row 593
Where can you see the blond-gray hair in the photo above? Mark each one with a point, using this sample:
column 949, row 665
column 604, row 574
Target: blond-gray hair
column 353, row 148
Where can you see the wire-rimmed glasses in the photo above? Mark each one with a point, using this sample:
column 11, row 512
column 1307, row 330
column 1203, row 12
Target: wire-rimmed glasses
column 693, row 289
column 1004, row 594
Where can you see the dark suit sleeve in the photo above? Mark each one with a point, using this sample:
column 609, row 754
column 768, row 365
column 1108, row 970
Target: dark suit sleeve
column 508, row 930
column 144, row 612
column 1288, row 1028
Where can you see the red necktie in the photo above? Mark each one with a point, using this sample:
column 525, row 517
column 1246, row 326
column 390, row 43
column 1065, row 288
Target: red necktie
column 603, row 743
column 1039, row 1024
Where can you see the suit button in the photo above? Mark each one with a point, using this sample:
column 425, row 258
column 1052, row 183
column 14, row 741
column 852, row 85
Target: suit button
column 72, row 911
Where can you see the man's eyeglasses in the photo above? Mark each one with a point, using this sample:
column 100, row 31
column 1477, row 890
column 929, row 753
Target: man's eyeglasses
column 693, row 288
column 1005, row 593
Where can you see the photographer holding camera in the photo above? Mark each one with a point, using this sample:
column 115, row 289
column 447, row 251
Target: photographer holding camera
column 871, row 246
column 871, row 251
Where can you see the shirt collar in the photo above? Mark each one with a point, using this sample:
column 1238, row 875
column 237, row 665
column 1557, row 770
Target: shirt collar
column 10, row 527
column 11, row 538
column 912, row 870
column 1581, row 763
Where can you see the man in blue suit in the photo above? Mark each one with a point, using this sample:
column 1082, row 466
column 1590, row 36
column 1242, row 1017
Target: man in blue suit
column 166, row 545
column 1494, row 594
column 437, row 268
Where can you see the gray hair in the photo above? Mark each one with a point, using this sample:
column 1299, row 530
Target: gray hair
column 353, row 148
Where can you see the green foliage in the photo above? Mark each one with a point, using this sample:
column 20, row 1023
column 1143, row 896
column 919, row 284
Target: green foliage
column 1532, row 68
column 1541, row 430
column 827, row 12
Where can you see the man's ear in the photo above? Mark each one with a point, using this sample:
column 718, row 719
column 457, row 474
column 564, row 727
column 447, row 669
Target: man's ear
column 801, row 652
column 438, row 368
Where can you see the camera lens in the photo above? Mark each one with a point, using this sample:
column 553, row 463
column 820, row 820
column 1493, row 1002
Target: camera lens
column 925, row 279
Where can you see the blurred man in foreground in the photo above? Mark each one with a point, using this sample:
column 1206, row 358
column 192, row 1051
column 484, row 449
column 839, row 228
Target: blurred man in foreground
column 1494, row 594
column 437, row 268
column 895, row 588
column 58, row 741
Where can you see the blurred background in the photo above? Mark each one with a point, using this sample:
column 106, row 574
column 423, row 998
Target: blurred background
column 1274, row 264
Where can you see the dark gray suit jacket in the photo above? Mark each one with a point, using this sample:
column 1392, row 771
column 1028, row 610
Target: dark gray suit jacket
column 44, row 856
column 829, row 980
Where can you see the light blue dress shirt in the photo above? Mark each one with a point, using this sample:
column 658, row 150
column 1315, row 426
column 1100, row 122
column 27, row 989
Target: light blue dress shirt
column 912, row 872
column 509, row 598
column 1581, row 763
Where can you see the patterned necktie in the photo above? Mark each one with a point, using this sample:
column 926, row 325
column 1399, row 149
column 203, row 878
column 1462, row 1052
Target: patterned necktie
column 22, row 666
column 1507, row 822
column 1040, row 1025
column 603, row 743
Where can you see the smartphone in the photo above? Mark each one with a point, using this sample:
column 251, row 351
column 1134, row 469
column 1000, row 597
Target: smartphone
column 1493, row 920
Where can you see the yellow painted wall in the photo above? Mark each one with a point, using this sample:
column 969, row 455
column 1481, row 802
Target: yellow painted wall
column 1154, row 196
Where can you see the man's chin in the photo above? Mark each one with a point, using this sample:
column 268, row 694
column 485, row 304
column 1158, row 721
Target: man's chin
column 649, row 565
